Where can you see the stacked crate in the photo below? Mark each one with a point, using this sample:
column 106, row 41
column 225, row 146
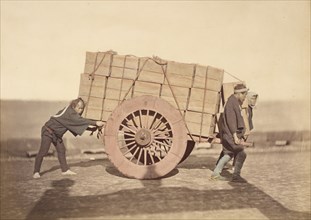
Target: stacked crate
column 109, row 78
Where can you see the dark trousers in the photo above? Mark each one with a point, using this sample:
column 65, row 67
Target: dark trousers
column 233, row 151
column 240, row 158
column 46, row 141
column 239, row 161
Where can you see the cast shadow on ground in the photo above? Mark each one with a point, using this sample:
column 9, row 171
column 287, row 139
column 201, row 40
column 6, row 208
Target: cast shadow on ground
column 88, row 163
column 197, row 162
column 113, row 171
column 192, row 162
column 154, row 198
column 102, row 162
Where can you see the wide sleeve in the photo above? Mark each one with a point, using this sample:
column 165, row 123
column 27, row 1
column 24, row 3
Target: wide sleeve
column 77, row 124
column 73, row 122
column 233, row 116
column 230, row 116
column 240, row 120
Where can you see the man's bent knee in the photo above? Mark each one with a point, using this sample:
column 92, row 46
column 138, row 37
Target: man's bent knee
column 242, row 154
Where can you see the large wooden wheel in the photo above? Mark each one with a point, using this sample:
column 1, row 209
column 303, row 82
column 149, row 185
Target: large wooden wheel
column 145, row 137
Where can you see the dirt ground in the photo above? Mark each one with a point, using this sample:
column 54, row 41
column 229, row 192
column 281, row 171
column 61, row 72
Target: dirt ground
column 278, row 188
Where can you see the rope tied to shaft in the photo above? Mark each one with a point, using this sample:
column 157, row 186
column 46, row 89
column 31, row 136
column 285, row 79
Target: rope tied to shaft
column 233, row 76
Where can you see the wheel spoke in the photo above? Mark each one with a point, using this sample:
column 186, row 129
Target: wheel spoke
column 158, row 142
column 134, row 153
column 140, row 118
column 128, row 144
column 128, row 134
column 161, row 126
column 124, row 126
column 126, row 139
column 152, row 121
column 166, row 142
column 147, row 116
column 157, row 123
column 160, row 147
column 155, row 120
column 163, row 137
column 131, row 125
column 133, row 119
column 145, row 156
column 158, row 132
column 138, row 159
column 155, row 154
column 129, row 150
column 151, row 156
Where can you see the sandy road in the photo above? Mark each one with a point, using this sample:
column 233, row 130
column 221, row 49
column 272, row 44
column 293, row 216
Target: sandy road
column 278, row 188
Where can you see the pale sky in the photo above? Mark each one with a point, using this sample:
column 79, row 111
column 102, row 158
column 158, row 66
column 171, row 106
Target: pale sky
column 266, row 44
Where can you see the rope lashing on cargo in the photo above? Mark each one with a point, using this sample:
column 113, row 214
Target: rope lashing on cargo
column 122, row 78
column 162, row 63
column 92, row 74
column 142, row 62
column 123, row 70
column 137, row 75
column 233, row 76
column 154, row 59
column 92, row 77
column 175, row 99
column 157, row 60
column 203, row 107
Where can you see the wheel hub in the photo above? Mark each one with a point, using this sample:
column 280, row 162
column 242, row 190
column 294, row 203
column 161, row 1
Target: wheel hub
column 143, row 137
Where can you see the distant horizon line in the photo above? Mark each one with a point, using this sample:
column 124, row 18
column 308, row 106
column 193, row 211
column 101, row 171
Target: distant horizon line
column 68, row 100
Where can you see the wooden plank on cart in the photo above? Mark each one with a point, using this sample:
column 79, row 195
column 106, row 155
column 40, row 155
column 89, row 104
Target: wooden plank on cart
column 110, row 105
column 124, row 66
column 94, row 108
column 213, row 78
column 179, row 74
column 180, row 93
column 117, row 88
column 97, row 63
column 210, row 103
column 150, row 71
column 145, row 88
column 89, row 87
column 200, row 127
column 95, row 103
